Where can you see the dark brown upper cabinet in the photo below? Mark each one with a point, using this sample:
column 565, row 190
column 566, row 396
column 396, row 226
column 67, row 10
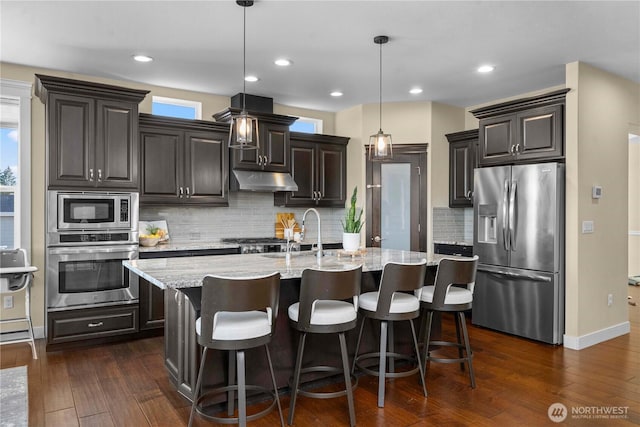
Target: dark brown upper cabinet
column 183, row 161
column 524, row 130
column 319, row 167
column 273, row 154
column 462, row 160
column 91, row 133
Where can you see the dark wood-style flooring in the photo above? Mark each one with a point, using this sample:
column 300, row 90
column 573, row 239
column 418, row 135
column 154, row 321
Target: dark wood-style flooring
column 126, row 384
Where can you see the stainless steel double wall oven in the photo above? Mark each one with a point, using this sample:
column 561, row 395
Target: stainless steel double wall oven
column 89, row 234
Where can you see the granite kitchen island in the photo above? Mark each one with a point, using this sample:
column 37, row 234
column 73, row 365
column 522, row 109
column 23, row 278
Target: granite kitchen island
column 181, row 279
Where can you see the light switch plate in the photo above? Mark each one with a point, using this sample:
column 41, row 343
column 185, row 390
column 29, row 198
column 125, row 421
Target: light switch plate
column 587, row 227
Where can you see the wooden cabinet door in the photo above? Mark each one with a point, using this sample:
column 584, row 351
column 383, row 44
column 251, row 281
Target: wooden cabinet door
column 540, row 133
column 71, row 141
column 151, row 306
column 117, row 144
column 162, row 160
column 275, row 146
column 205, row 172
column 332, row 175
column 303, row 170
column 497, row 140
column 460, row 174
column 173, row 334
column 245, row 159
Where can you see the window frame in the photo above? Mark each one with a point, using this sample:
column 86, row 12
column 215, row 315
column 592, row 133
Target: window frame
column 196, row 105
column 317, row 123
column 22, row 218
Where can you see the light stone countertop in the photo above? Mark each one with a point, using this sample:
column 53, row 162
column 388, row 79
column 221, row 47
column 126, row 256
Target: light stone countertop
column 450, row 242
column 187, row 246
column 187, row 272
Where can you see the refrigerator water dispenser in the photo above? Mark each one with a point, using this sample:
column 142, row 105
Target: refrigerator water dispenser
column 487, row 224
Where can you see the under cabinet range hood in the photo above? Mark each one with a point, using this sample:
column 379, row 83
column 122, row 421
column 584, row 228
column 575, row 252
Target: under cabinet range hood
column 262, row 181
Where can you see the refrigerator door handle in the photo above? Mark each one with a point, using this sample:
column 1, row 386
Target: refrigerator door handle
column 536, row 277
column 512, row 214
column 505, row 204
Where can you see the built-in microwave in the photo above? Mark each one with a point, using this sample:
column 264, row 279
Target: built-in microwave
column 97, row 211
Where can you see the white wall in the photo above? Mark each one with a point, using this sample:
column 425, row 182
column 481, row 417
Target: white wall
column 634, row 202
column 601, row 107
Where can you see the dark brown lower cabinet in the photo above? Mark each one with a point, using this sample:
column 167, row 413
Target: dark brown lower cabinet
column 151, row 306
column 95, row 324
column 182, row 354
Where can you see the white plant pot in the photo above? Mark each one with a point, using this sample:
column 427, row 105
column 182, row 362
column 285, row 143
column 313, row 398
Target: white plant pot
column 351, row 241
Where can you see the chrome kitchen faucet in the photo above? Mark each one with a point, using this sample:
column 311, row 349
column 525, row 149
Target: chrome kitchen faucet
column 319, row 254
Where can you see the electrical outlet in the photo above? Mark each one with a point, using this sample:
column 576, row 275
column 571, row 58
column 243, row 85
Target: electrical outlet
column 610, row 300
column 7, row 302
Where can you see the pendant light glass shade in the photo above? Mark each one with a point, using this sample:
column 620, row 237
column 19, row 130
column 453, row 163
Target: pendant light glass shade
column 380, row 146
column 243, row 133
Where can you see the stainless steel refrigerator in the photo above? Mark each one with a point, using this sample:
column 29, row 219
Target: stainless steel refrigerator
column 519, row 238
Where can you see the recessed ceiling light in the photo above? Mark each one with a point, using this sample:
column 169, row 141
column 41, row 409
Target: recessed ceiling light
column 142, row 58
column 336, row 93
column 486, row 68
column 282, row 62
column 251, row 79
column 415, row 91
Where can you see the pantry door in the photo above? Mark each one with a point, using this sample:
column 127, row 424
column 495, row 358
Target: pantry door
column 397, row 200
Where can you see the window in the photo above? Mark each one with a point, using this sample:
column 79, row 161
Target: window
column 15, row 161
column 307, row 125
column 172, row 107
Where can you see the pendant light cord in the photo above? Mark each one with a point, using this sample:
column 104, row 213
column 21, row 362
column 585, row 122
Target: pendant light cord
column 380, row 87
column 244, row 56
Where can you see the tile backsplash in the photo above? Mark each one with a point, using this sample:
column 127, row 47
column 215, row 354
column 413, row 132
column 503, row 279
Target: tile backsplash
column 249, row 214
column 453, row 225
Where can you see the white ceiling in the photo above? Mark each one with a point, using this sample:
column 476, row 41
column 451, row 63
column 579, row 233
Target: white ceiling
column 436, row 45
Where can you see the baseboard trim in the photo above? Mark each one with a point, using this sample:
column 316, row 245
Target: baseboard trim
column 38, row 332
column 593, row 338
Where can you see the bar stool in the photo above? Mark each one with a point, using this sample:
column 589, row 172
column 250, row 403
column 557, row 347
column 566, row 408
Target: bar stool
column 443, row 297
column 16, row 275
column 237, row 314
column 322, row 310
column 391, row 304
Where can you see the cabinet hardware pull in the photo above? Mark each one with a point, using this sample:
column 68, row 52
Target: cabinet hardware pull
column 95, row 325
column 99, row 175
column 259, row 160
column 374, row 186
column 90, row 174
column 188, row 193
column 266, row 160
column 517, row 148
column 469, row 194
column 181, row 192
column 512, row 150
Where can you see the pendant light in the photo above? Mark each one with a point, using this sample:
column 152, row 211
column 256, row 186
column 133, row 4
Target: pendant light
column 380, row 147
column 243, row 133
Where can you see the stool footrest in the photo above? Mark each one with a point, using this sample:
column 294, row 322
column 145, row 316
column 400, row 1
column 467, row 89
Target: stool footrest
column 234, row 420
column 323, row 395
column 376, row 355
column 448, row 359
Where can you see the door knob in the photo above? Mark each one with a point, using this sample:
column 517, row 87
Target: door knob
column 377, row 239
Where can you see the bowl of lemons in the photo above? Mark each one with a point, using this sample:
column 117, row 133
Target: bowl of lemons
column 152, row 236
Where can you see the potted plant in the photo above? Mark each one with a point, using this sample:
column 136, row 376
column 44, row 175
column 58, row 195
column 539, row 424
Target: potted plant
column 352, row 225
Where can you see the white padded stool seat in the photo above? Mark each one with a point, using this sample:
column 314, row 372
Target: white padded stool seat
column 400, row 302
column 229, row 326
column 327, row 312
column 455, row 295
